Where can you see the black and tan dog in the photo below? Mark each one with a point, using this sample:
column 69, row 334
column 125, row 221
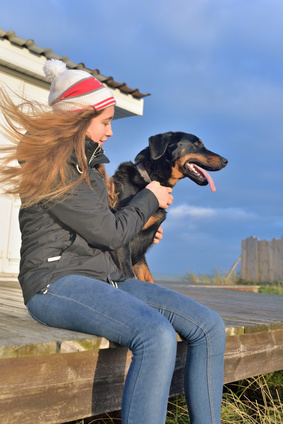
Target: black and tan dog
column 168, row 158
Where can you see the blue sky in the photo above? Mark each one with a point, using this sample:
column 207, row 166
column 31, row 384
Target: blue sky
column 214, row 69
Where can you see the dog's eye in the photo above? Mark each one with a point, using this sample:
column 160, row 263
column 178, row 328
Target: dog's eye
column 198, row 143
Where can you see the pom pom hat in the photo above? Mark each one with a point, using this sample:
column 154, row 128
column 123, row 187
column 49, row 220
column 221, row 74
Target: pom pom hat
column 73, row 89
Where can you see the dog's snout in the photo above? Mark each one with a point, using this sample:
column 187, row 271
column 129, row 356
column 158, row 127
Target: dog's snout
column 224, row 161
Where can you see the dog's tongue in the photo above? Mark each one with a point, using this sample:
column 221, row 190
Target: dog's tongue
column 207, row 176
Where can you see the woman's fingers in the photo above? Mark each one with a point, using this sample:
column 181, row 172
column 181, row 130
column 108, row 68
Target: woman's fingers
column 162, row 193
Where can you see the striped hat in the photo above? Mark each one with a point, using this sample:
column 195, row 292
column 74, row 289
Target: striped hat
column 74, row 90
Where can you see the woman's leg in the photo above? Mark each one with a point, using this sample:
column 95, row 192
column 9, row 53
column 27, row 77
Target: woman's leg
column 205, row 332
column 83, row 304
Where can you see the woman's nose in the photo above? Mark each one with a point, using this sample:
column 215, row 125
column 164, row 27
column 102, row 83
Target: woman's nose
column 109, row 132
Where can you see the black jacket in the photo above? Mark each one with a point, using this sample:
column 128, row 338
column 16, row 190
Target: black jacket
column 75, row 236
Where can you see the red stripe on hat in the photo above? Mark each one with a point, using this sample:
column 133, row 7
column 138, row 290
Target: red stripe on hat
column 105, row 103
column 83, row 87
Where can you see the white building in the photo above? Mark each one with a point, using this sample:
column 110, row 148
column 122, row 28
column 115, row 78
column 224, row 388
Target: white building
column 21, row 63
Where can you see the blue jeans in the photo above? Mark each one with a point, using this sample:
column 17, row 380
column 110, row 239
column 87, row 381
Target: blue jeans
column 145, row 318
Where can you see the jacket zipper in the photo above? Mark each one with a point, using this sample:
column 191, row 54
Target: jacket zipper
column 111, row 282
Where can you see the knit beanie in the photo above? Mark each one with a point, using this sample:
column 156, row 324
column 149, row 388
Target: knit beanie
column 72, row 89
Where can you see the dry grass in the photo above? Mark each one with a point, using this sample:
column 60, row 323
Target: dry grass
column 215, row 278
column 253, row 402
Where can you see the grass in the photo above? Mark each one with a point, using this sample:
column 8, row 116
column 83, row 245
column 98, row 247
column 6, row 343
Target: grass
column 275, row 288
column 218, row 278
column 215, row 278
column 177, row 411
column 254, row 401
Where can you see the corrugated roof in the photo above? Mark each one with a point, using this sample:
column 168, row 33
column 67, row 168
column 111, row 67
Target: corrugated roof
column 48, row 53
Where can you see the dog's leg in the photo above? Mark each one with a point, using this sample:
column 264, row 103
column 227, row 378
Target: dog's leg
column 142, row 271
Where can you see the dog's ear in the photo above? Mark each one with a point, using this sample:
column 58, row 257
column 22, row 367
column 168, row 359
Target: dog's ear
column 158, row 144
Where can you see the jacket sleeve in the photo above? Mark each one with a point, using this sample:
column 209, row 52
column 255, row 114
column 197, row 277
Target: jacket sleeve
column 83, row 213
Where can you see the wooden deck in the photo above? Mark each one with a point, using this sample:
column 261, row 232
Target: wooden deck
column 54, row 376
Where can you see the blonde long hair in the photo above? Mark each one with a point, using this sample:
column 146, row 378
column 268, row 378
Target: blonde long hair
column 42, row 142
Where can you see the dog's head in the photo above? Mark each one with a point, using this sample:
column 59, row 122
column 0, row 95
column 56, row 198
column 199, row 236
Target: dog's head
column 187, row 156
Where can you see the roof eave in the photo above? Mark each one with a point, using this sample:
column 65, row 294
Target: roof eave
column 25, row 57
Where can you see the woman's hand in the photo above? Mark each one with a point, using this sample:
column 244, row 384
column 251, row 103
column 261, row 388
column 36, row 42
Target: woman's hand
column 162, row 193
column 158, row 235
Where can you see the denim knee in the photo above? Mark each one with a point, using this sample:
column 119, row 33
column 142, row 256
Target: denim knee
column 162, row 338
column 211, row 327
column 219, row 324
column 217, row 330
column 167, row 337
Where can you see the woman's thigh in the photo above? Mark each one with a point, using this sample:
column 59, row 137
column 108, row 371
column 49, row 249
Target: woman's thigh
column 83, row 304
column 189, row 318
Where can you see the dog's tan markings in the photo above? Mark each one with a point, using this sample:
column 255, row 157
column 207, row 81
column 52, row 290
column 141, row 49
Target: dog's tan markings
column 152, row 220
column 142, row 272
column 177, row 174
column 215, row 162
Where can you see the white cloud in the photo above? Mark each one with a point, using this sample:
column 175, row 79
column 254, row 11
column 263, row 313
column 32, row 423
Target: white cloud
column 200, row 213
column 194, row 211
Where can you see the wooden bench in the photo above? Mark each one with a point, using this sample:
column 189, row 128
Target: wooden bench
column 53, row 376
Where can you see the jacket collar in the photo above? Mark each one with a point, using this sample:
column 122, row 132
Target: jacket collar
column 94, row 153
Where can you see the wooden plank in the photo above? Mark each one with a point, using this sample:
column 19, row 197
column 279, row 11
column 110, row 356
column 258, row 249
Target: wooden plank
column 253, row 354
column 275, row 259
column 57, row 341
column 21, row 335
column 261, row 307
column 244, row 262
column 238, row 287
column 253, row 260
column 280, row 254
column 62, row 387
column 56, row 382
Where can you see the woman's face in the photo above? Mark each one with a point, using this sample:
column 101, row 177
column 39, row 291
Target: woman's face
column 100, row 127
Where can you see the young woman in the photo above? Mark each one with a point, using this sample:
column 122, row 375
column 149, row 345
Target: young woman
column 66, row 272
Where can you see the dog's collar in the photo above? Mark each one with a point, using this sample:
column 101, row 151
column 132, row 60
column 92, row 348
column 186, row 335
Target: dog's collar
column 143, row 172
